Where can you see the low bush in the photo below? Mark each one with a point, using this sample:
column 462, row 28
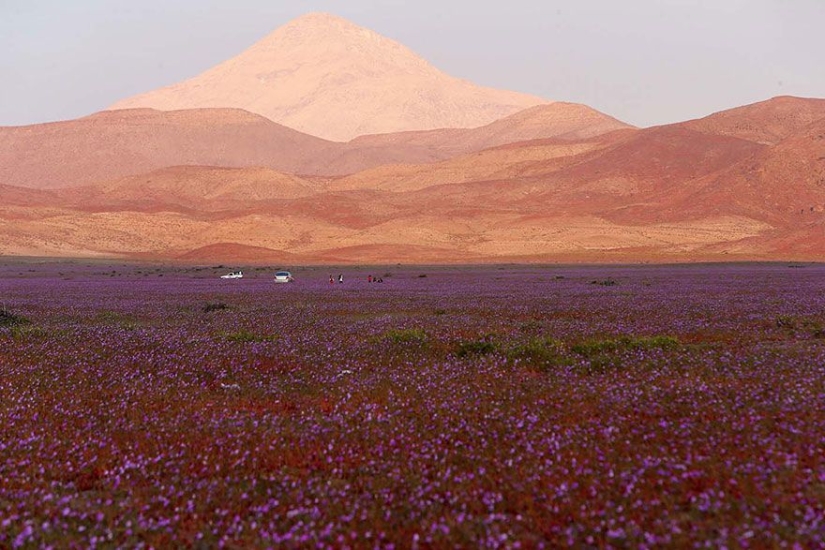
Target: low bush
column 801, row 326
column 406, row 336
column 785, row 321
column 475, row 347
column 9, row 319
column 593, row 348
column 540, row 352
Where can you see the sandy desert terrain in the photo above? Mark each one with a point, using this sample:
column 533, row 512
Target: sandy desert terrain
column 198, row 171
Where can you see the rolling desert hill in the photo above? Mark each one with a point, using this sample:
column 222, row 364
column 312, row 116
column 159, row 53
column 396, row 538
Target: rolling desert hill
column 22, row 196
column 114, row 144
column 189, row 188
column 622, row 163
column 559, row 120
column 767, row 122
column 783, row 184
column 517, row 160
column 629, row 178
column 327, row 77
column 565, row 121
column 654, row 160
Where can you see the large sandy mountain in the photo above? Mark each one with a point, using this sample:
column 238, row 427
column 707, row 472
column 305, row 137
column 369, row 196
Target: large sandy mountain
column 324, row 76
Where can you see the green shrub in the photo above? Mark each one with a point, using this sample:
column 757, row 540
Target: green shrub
column 541, row 352
column 785, row 321
column 406, row 336
column 214, row 306
column 28, row 331
column 475, row 347
column 9, row 319
column 806, row 324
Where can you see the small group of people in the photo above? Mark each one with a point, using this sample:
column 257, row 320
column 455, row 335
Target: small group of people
column 340, row 279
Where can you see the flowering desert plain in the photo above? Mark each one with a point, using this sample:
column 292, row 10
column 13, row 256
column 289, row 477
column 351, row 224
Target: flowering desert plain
column 585, row 333
column 496, row 406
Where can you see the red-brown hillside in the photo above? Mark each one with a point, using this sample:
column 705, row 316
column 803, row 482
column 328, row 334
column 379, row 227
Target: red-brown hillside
column 566, row 121
column 783, row 184
column 658, row 158
column 110, row 145
column 634, row 178
column 511, row 161
column 203, row 188
column 22, row 196
column 767, row 122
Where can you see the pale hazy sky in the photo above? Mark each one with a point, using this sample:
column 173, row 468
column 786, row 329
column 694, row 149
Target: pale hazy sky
column 643, row 61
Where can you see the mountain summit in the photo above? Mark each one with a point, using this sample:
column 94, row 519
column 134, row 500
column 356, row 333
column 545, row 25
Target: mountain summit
column 328, row 77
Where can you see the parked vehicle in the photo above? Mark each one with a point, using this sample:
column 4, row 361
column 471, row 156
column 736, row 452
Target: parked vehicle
column 283, row 277
column 233, row 275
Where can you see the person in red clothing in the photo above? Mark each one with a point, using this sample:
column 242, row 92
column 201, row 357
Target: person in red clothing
column 369, row 278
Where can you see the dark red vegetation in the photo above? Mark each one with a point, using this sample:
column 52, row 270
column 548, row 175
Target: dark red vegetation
column 501, row 407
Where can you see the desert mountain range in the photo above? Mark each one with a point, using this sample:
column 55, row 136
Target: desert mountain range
column 113, row 144
column 198, row 172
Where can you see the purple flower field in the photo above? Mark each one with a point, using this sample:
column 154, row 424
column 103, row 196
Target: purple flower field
column 498, row 407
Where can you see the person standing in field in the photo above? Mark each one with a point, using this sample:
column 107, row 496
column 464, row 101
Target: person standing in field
column 341, row 278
